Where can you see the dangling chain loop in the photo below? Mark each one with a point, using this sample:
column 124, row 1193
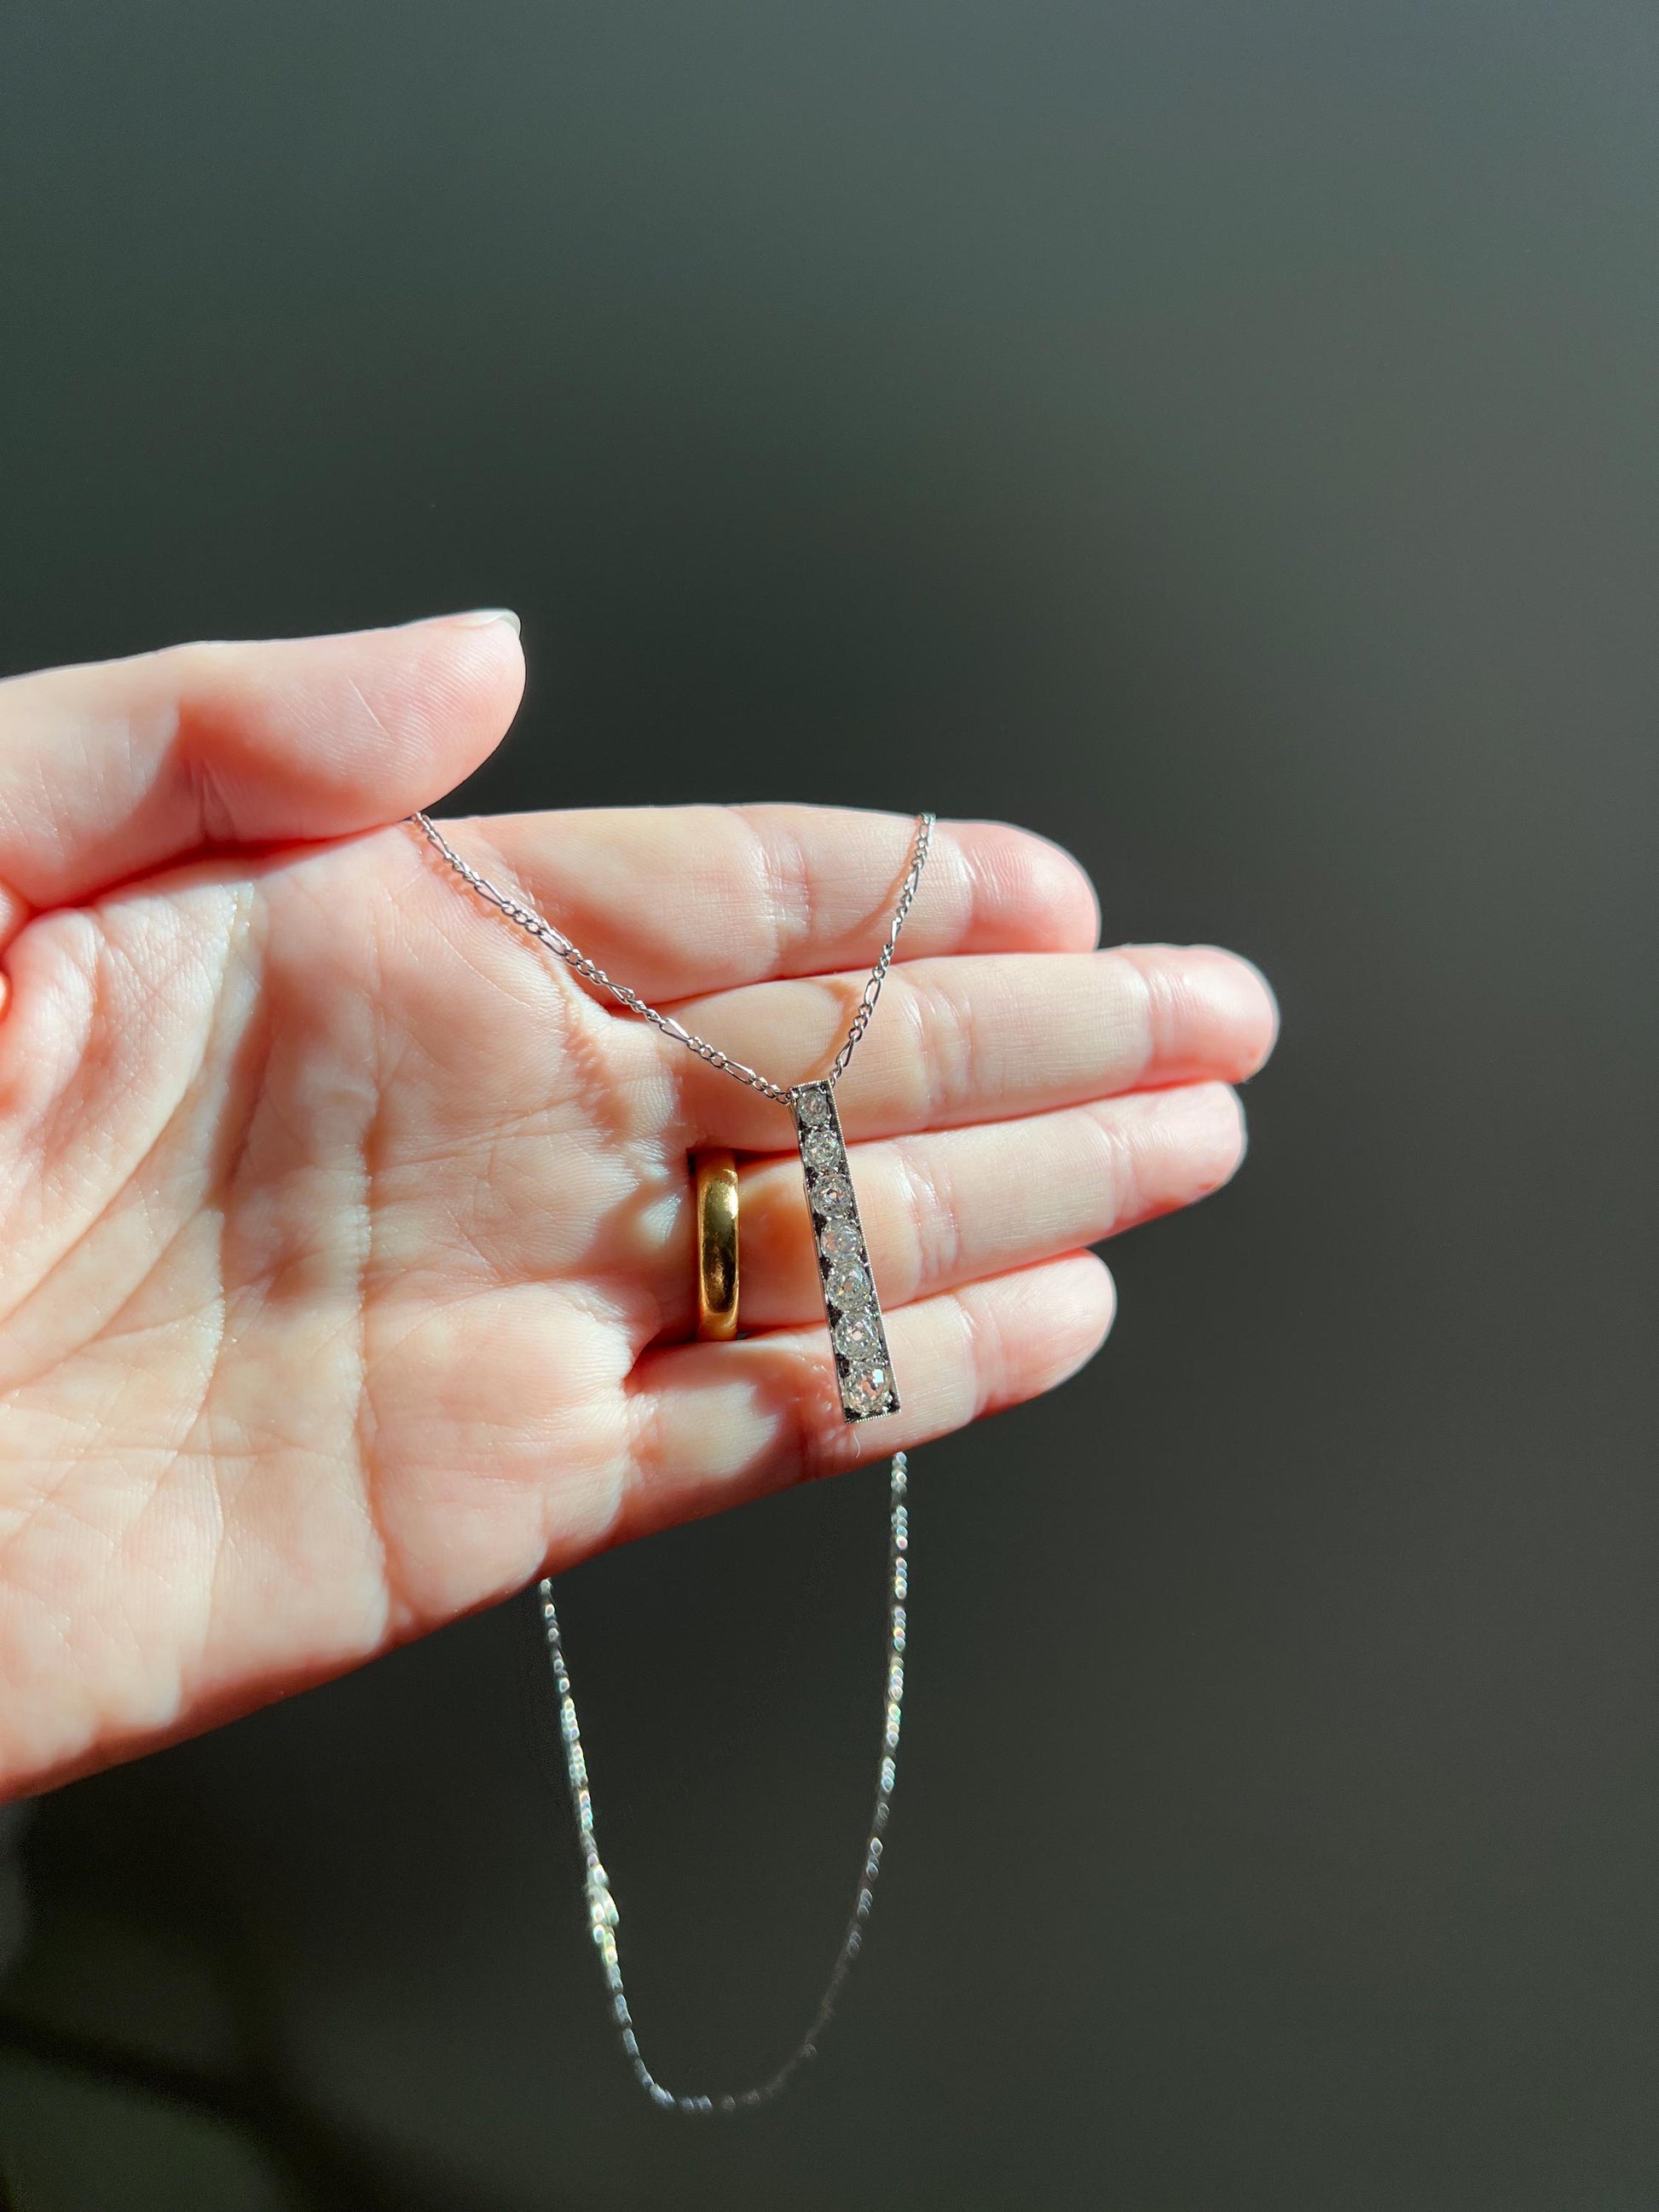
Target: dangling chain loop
column 603, row 1917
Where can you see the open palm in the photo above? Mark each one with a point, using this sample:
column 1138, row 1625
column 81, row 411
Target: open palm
column 346, row 1267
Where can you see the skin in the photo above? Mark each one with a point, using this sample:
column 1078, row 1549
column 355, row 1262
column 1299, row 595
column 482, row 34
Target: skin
column 345, row 1250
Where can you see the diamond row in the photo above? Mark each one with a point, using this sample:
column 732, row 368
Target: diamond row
column 849, row 1295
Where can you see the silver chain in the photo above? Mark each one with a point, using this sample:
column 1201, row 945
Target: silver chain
column 537, row 926
column 602, row 1913
column 603, row 1917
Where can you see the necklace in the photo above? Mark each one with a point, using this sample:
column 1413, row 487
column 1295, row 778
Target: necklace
column 859, row 1339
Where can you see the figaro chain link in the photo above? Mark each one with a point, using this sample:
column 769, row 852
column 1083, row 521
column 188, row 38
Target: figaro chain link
column 537, row 926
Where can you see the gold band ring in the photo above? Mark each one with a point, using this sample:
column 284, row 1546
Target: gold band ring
column 717, row 1244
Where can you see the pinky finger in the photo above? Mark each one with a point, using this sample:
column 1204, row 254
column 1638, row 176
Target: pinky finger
column 714, row 1425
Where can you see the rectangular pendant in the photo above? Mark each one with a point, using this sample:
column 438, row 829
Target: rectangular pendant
column 850, row 1305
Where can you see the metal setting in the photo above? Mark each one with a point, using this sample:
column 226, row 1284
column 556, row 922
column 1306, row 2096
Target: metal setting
column 603, row 1917
column 850, row 1305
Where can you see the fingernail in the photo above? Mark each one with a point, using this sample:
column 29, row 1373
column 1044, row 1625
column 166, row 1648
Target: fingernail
column 1208, row 1125
column 480, row 616
column 474, row 618
column 1238, row 991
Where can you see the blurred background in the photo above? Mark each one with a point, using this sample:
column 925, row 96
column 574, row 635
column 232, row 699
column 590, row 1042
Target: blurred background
column 1225, row 439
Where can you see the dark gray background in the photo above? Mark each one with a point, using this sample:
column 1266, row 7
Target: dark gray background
column 1223, row 437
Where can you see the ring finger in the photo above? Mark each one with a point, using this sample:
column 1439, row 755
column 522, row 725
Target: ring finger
column 953, row 1205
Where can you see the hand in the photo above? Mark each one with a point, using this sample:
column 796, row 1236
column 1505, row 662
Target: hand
column 346, row 1265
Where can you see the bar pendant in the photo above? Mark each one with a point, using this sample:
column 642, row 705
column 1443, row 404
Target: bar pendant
column 850, row 1305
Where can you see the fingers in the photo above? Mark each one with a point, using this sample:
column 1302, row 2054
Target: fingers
column 980, row 1040
column 713, row 1423
column 758, row 891
column 114, row 768
column 945, row 1208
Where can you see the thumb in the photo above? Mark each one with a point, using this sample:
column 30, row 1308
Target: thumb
column 111, row 769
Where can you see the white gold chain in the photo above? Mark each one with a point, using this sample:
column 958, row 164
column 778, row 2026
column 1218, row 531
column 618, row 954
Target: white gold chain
column 602, row 1906
column 537, row 926
column 603, row 1917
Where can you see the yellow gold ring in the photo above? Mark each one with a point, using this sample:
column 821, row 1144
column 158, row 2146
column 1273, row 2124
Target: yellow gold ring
column 717, row 1244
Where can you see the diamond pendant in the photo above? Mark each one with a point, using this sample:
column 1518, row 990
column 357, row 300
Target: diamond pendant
column 850, row 1303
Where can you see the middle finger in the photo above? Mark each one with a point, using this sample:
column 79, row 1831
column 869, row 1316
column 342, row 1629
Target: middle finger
column 966, row 1040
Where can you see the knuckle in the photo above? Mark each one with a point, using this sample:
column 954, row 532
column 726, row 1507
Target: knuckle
column 927, row 1214
column 1139, row 1008
column 944, row 1022
column 1118, row 1170
column 787, row 885
column 985, row 1360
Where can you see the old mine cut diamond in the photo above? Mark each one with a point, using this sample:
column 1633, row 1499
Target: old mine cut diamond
column 821, row 1148
column 813, row 1109
column 848, row 1285
column 870, row 1390
column 832, row 1193
column 857, row 1340
column 840, row 1240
